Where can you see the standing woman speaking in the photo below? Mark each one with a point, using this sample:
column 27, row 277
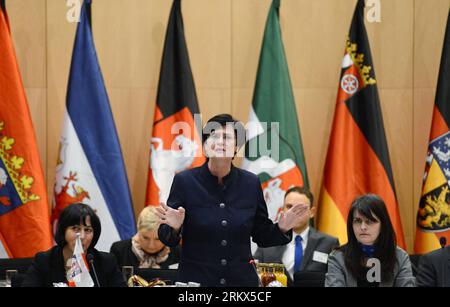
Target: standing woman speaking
column 216, row 208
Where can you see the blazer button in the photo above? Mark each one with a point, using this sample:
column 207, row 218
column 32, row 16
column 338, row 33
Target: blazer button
column 222, row 205
column 224, row 223
column 223, row 262
column 223, row 281
column 224, row 243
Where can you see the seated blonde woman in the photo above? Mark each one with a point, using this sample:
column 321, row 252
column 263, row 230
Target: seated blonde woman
column 145, row 250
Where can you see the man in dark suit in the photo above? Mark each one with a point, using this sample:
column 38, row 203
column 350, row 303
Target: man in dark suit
column 216, row 209
column 308, row 249
column 434, row 269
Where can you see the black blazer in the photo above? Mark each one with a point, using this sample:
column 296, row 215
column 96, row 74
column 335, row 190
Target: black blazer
column 125, row 256
column 434, row 269
column 317, row 241
column 218, row 225
column 48, row 268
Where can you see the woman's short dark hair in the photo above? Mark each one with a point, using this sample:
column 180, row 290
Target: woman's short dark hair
column 76, row 214
column 301, row 190
column 373, row 208
column 222, row 120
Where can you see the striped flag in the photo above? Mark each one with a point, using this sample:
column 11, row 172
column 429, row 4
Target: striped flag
column 274, row 151
column 358, row 157
column 433, row 217
column 24, row 210
column 176, row 144
column 90, row 166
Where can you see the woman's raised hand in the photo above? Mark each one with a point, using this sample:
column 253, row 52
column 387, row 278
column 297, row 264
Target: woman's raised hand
column 290, row 218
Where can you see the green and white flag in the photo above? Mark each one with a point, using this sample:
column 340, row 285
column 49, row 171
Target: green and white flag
column 274, row 150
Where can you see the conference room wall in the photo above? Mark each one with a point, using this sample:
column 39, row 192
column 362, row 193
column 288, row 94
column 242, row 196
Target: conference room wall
column 224, row 39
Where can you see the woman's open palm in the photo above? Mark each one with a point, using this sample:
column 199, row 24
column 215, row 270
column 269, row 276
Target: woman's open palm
column 169, row 216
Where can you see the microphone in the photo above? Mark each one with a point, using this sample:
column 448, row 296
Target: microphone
column 443, row 241
column 252, row 262
column 90, row 258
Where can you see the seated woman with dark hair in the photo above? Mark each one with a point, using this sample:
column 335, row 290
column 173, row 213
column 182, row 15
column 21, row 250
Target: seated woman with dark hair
column 371, row 240
column 51, row 268
column 145, row 250
column 434, row 268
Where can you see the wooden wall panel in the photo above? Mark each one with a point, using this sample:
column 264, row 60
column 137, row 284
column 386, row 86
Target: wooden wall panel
column 37, row 102
column 391, row 43
column 314, row 35
column 224, row 39
column 397, row 115
column 28, row 28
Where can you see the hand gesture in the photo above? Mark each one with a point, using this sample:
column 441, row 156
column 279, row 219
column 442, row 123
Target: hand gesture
column 169, row 216
column 289, row 219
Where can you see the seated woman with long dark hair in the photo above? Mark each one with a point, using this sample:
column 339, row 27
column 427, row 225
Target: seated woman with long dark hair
column 51, row 268
column 371, row 258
